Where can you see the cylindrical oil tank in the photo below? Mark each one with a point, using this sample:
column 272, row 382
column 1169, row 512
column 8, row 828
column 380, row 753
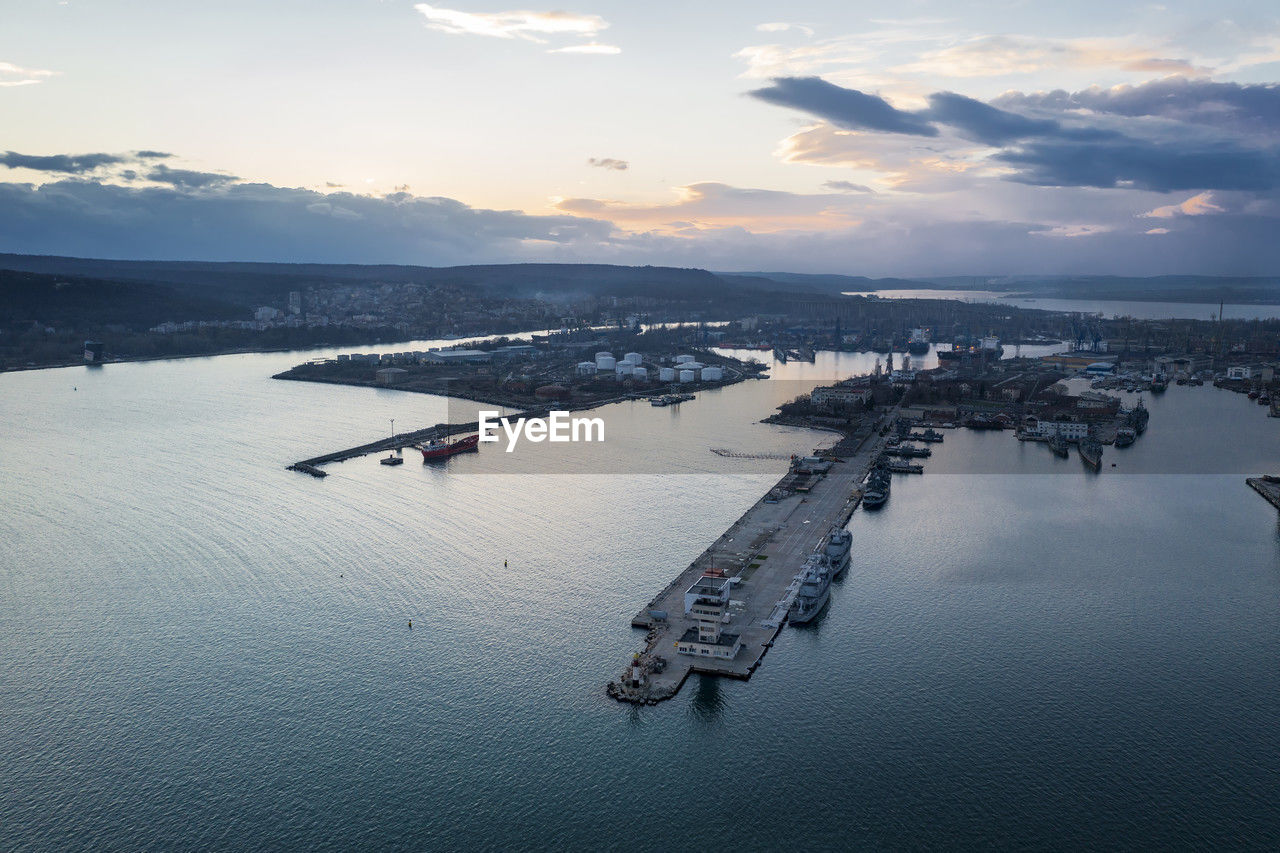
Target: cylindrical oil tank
column 666, row 374
column 605, row 362
column 639, row 374
column 634, row 358
column 681, row 359
column 687, row 375
column 712, row 374
column 601, row 355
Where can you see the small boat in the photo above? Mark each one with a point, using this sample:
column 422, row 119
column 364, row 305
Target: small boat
column 1126, row 436
column 439, row 448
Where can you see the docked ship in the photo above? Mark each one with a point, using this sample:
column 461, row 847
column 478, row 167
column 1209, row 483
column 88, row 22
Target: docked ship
column 1159, row 383
column 438, row 448
column 815, row 589
column 837, row 547
column 968, row 347
column 877, row 490
column 918, row 342
column 930, row 435
column 1091, row 452
column 1139, row 417
column 1126, row 436
column 1058, row 445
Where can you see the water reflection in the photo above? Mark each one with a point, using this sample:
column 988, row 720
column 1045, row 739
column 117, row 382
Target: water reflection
column 708, row 703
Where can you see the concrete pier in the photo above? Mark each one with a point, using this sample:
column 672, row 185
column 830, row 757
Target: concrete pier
column 1268, row 487
column 762, row 552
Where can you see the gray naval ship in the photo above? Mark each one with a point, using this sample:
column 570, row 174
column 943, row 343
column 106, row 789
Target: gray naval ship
column 815, row 589
column 838, row 545
column 831, row 561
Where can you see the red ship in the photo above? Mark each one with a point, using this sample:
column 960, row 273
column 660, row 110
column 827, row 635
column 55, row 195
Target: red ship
column 440, row 447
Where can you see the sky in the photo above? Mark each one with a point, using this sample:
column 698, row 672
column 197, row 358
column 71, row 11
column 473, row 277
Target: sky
column 906, row 139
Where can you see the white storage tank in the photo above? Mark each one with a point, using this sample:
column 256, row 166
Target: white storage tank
column 605, row 362
column 712, row 374
column 692, row 365
column 601, row 355
column 586, row 368
column 640, row 374
column 666, row 374
column 681, row 359
column 686, row 375
column 624, row 369
column 635, row 358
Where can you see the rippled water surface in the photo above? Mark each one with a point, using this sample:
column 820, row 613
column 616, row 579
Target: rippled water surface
column 204, row 650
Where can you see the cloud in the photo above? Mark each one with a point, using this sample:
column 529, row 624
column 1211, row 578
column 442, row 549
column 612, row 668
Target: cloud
column 983, row 122
column 608, row 163
column 1162, row 166
column 710, row 205
column 783, row 26
column 1198, row 205
column 847, row 108
column 1246, row 107
column 592, row 48
column 74, row 164
column 707, row 225
column 1036, row 151
column 16, row 75
column 847, row 187
column 1005, row 55
column 1156, row 231
column 246, row 221
column 188, row 178
column 521, row 24
column 1079, row 230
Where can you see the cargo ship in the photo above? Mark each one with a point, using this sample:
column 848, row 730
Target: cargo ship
column 439, row 448
column 1126, row 436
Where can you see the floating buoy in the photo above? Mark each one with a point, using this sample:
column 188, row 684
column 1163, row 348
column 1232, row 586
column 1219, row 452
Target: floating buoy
column 410, row 624
column 504, row 564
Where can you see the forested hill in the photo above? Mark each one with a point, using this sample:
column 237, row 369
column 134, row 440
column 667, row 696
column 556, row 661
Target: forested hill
column 256, row 283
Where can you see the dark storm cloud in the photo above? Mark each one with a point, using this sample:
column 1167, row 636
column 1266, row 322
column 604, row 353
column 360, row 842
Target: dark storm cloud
column 265, row 222
column 1251, row 107
column 847, row 108
column 1140, row 164
column 162, row 174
